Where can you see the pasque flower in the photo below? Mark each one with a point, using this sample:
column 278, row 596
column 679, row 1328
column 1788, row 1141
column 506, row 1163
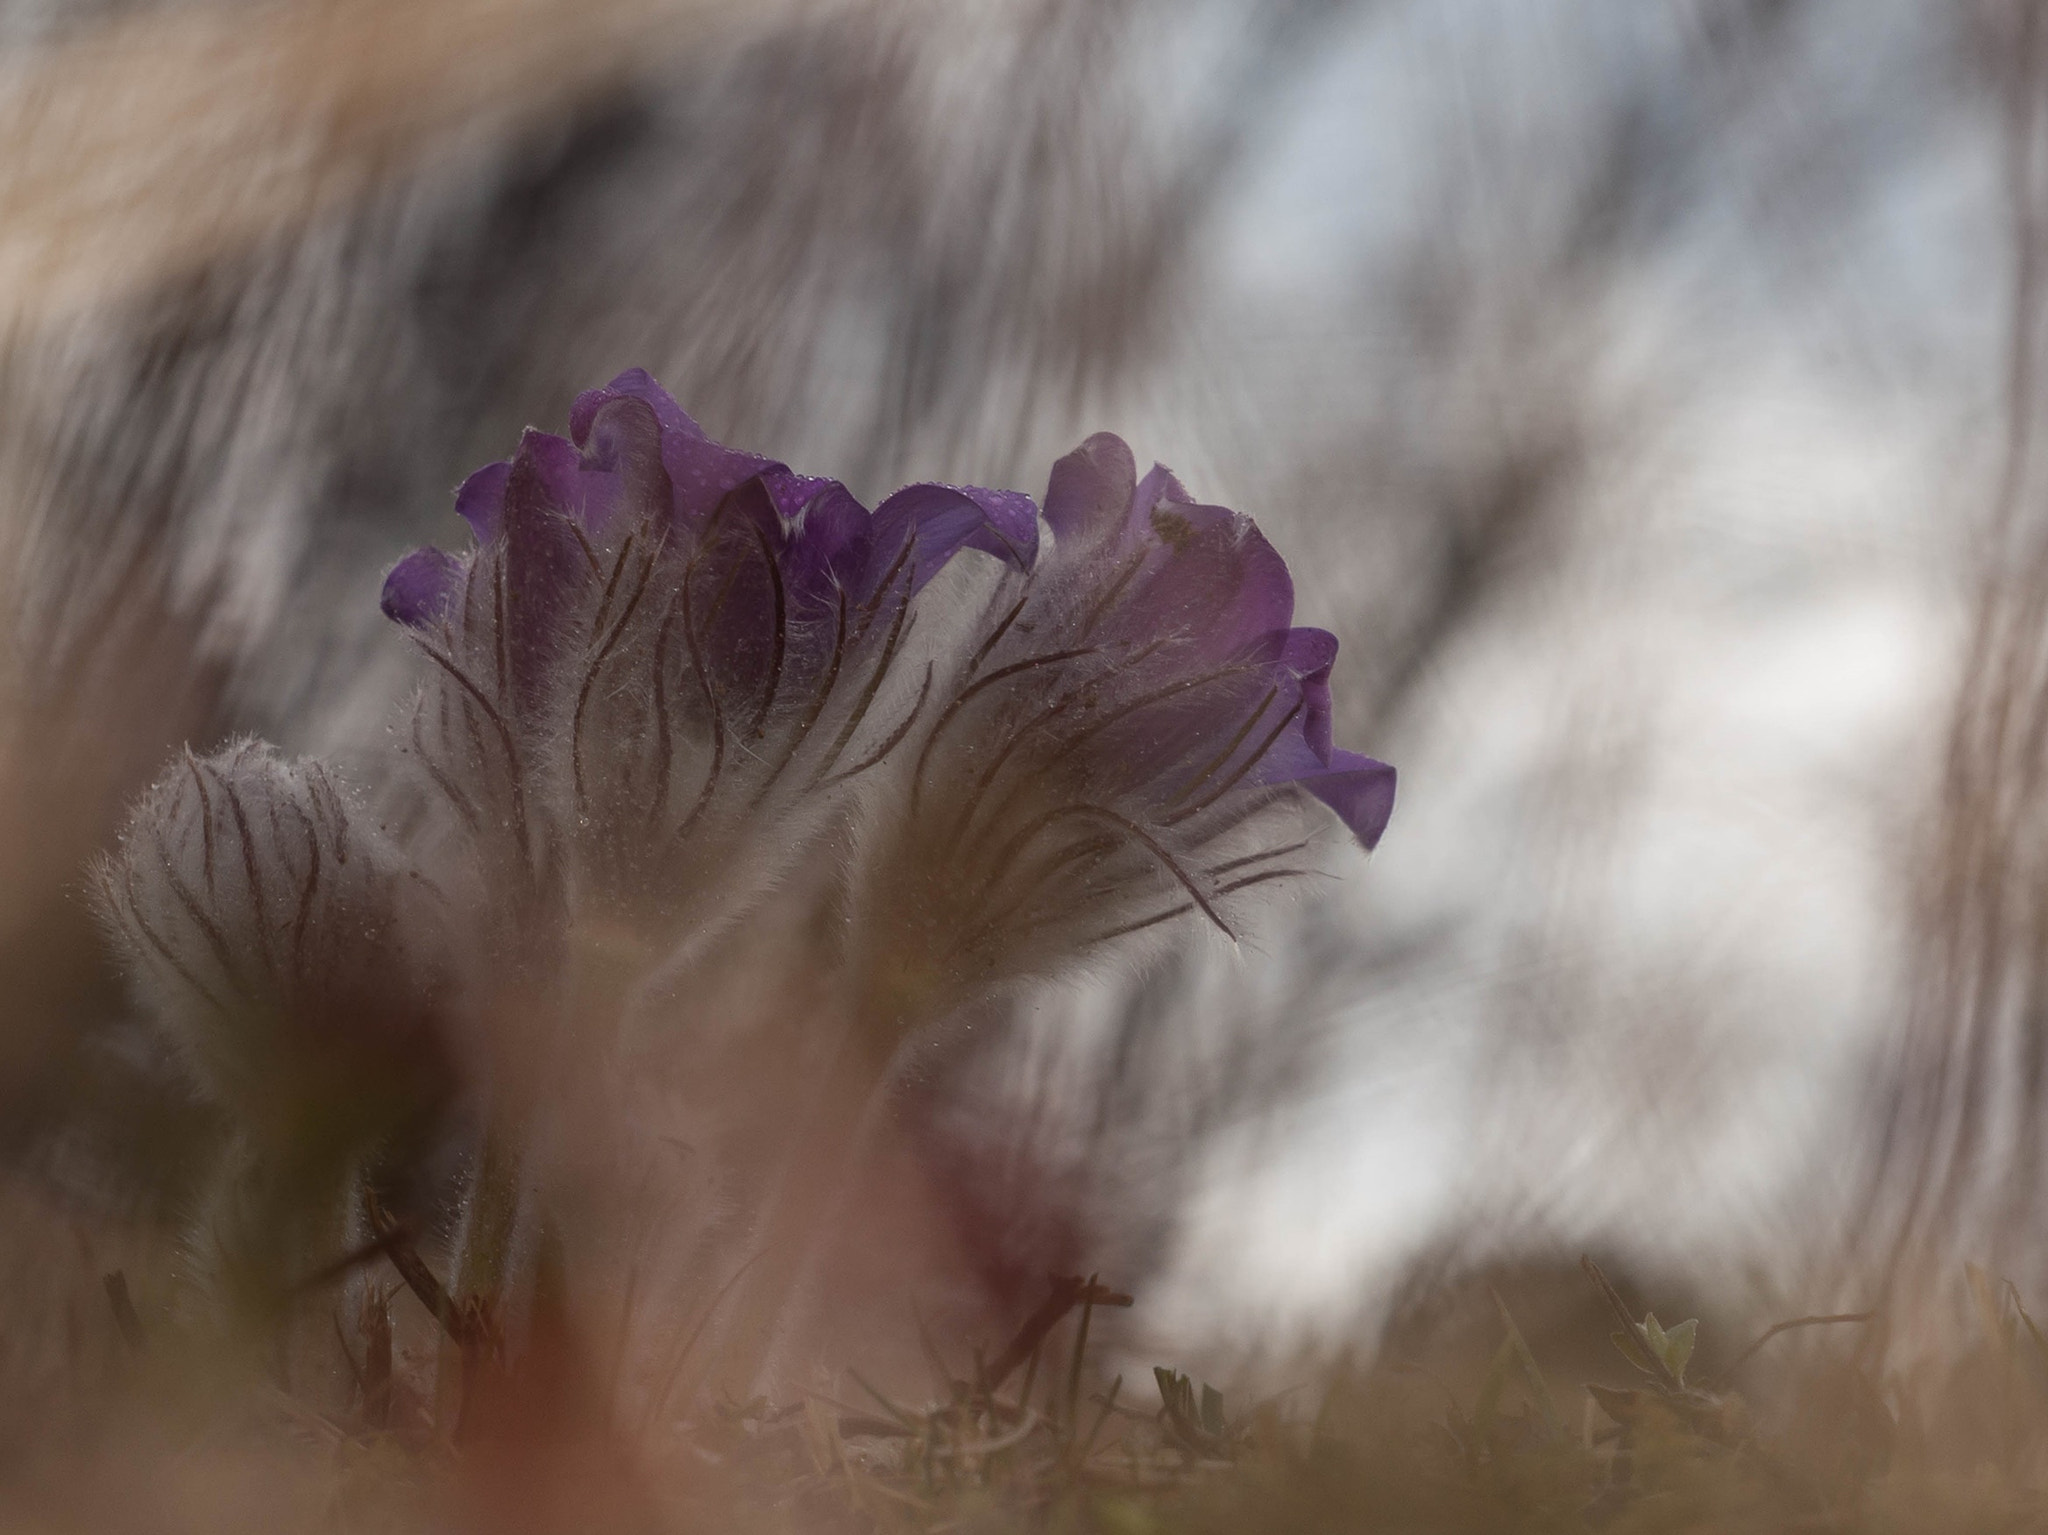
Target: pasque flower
column 1116, row 748
column 660, row 649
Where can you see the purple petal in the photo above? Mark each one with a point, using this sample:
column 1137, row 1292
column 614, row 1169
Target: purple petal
column 621, row 473
column 791, row 493
column 746, row 636
column 701, row 472
column 635, row 384
column 481, row 500
column 550, row 471
column 704, row 473
column 544, row 560
column 827, row 538
column 1309, row 654
column 421, row 589
column 935, row 522
column 751, row 502
column 1360, row 790
column 1211, row 579
column 1089, row 495
column 1160, row 484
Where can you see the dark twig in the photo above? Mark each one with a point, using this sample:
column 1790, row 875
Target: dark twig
column 467, row 1328
column 1088, row 1294
column 1067, row 1293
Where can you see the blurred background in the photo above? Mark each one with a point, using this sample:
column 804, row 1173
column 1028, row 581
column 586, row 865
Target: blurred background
column 1642, row 391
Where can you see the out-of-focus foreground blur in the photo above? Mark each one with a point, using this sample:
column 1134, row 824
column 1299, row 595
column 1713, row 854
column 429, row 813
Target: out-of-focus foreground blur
column 1645, row 393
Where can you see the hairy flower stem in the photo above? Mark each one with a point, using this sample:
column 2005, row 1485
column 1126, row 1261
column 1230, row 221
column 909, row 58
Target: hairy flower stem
column 484, row 1261
column 807, row 1208
column 493, row 1215
column 519, row 1160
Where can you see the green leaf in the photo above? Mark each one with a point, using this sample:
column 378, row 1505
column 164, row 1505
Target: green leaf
column 1672, row 1349
column 1632, row 1350
column 1676, row 1350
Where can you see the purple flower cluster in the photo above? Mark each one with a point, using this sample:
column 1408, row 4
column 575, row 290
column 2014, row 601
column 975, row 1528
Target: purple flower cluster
column 664, row 664
column 668, row 683
column 666, row 671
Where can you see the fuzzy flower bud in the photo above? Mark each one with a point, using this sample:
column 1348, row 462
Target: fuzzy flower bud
column 280, row 941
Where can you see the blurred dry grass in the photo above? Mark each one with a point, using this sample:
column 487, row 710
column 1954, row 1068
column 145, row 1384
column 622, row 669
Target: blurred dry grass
column 1962, row 1117
column 142, row 149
